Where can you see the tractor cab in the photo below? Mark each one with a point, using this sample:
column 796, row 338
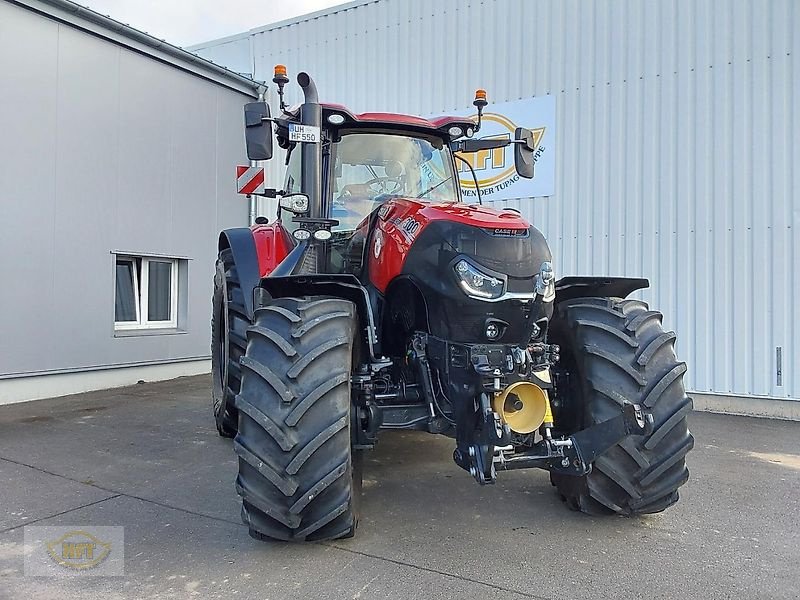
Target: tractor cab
column 343, row 168
column 367, row 161
column 371, row 158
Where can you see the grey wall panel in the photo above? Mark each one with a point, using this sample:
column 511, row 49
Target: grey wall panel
column 104, row 149
column 85, row 200
column 28, row 116
column 678, row 124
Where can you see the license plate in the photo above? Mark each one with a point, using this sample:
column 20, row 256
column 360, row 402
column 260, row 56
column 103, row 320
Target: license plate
column 303, row 133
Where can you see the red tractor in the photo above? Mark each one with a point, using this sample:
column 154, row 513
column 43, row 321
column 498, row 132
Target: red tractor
column 378, row 300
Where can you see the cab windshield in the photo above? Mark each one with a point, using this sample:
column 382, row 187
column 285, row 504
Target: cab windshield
column 371, row 168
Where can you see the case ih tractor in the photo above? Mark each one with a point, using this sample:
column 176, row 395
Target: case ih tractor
column 378, row 300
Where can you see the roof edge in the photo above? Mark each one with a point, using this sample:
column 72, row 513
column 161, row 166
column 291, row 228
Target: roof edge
column 72, row 13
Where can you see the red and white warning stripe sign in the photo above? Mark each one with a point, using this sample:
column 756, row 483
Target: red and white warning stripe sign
column 249, row 180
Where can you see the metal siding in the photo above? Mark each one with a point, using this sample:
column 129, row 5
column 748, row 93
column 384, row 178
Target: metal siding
column 104, row 149
column 232, row 53
column 676, row 143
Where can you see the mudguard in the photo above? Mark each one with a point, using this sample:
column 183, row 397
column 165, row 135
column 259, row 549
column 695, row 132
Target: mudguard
column 241, row 242
column 345, row 286
column 568, row 288
column 257, row 251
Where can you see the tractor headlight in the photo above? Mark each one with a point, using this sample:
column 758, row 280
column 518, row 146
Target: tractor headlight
column 545, row 282
column 476, row 283
column 295, row 203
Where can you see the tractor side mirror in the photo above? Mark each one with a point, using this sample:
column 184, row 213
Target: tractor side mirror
column 478, row 144
column 258, row 131
column 523, row 152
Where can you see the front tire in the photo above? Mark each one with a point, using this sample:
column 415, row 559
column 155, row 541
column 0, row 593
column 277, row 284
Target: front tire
column 298, row 477
column 616, row 352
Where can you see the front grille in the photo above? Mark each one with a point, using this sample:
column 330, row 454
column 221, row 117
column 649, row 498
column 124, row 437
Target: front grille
column 453, row 315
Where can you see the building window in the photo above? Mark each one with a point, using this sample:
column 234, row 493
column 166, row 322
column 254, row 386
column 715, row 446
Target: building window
column 146, row 293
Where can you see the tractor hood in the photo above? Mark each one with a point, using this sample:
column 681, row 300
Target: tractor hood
column 500, row 240
column 423, row 242
column 474, row 215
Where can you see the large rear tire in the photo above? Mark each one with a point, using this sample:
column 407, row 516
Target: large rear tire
column 229, row 322
column 298, row 477
column 616, row 352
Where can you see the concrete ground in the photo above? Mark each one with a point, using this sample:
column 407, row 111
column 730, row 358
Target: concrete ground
column 148, row 458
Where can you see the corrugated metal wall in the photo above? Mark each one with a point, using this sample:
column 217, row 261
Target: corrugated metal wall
column 677, row 148
column 234, row 53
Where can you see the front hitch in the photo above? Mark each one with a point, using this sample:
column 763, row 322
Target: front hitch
column 590, row 443
column 575, row 455
column 492, row 434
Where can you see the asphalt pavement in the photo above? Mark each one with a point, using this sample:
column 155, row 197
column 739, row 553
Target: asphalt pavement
column 148, row 458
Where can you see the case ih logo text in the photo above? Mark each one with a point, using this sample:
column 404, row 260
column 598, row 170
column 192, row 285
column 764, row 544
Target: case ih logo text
column 495, row 168
column 504, row 232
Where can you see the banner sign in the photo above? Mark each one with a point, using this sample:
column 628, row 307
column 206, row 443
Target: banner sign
column 494, row 169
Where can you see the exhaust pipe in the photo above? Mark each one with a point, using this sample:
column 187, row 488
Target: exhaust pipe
column 311, row 114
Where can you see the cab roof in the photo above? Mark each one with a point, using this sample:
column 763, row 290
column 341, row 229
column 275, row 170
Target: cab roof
column 439, row 126
column 395, row 118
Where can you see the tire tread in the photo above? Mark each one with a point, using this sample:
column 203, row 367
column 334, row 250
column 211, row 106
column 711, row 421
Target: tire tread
column 226, row 384
column 297, row 471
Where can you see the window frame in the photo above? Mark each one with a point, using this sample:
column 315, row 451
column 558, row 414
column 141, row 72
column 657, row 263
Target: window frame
column 135, row 285
column 141, row 279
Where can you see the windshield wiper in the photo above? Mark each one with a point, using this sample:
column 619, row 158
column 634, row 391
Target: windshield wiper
column 430, row 189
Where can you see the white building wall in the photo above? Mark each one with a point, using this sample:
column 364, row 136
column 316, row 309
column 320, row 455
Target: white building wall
column 105, row 147
column 677, row 143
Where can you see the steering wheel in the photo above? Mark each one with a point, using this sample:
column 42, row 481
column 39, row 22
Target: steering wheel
column 381, row 185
